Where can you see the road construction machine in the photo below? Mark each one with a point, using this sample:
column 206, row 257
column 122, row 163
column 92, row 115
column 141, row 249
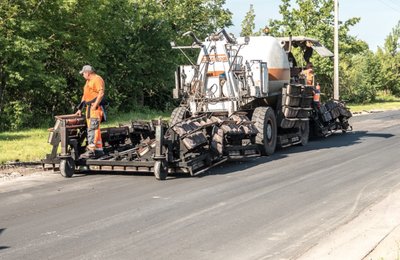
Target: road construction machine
column 243, row 97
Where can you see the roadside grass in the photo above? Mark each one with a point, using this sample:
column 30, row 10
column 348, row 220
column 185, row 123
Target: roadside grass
column 145, row 115
column 31, row 144
column 25, row 145
column 378, row 106
column 383, row 102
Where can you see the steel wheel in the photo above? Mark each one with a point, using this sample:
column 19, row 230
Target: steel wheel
column 177, row 115
column 67, row 167
column 160, row 170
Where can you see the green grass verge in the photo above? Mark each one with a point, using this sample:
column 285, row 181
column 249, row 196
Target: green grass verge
column 26, row 145
column 390, row 105
column 115, row 120
column 384, row 101
column 31, row 144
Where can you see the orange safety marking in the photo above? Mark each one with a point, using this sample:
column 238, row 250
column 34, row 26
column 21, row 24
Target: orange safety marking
column 278, row 74
column 214, row 58
column 215, row 73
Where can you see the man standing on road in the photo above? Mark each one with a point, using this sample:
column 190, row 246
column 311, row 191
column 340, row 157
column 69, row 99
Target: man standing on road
column 93, row 94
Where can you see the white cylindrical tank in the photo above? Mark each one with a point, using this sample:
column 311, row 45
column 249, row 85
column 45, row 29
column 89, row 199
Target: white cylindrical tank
column 268, row 49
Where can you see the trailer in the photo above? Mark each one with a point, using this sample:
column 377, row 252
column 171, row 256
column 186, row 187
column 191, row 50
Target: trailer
column 146, row 147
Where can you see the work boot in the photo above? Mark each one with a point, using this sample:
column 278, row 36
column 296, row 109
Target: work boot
column 98, row 153
column 89, row 154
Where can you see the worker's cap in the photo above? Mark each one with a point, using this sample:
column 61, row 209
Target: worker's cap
column 86, row 68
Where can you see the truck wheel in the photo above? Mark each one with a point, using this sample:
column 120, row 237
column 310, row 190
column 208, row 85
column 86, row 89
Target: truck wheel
column 177, row 115
column 160, row 170
column 67, row 167
column 304, row 132
column 265, row 122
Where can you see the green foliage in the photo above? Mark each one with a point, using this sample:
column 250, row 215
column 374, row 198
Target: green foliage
column 389, row 58
column 248, row 24
column 314, row 18
column 363, row 73
column 16, row 115
column 43, row 44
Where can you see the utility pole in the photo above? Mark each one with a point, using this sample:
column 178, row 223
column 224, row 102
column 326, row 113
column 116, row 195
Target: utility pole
column 336, row 53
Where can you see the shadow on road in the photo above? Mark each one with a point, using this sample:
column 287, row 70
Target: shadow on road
column 336, row 140
column 242, row 164
column 333, row 141
column 3, row 247
column 230, row 167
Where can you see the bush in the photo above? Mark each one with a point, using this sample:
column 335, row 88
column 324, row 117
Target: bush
column 16, row 115
column 361, row 78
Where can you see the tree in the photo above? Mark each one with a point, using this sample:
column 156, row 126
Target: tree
column 200, row 16
column 314, row 18
column 389, row 57
column 361, row 78
column 248, row 24
column 43, row 44
column 20, row 61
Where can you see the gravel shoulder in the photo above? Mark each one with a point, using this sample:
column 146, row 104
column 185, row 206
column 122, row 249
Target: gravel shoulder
column 9, row 173
column 374, row 234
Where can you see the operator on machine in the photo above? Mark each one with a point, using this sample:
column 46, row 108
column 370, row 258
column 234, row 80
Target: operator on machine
column 92, row 99
column 308, row 74
column 309, row 79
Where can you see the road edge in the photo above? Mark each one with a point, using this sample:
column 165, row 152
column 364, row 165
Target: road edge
column 373, row 234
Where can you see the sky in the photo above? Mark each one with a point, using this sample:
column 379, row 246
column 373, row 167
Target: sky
column 378, row 17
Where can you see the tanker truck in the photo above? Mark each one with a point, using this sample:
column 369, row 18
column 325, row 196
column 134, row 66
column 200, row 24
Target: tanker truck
column 242, row 98
column 259, row 79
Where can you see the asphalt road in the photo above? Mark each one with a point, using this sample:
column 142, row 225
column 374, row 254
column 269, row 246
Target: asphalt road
column 273, row 207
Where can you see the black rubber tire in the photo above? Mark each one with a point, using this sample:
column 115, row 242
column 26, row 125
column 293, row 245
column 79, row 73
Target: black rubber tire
column 177, row 115
column 67, row 167
column 265, row 122
column 160, row 170
column 304, row 132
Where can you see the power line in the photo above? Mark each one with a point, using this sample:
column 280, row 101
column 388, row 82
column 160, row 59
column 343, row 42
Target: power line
column 395, row 3
column 391, row 7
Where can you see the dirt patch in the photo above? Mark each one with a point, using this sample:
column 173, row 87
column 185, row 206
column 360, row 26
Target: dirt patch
column 15, row 170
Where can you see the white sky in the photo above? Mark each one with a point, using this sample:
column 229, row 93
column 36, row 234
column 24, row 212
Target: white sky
column 378, row 17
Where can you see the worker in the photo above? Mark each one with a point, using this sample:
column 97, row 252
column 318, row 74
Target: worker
column 92, row 99
column 308, row 74
column 317, row 96
column 308, row 51
column 292, row 60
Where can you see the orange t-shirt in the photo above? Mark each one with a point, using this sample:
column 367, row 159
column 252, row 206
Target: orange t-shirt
column 309, row 75
column 92, row 88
